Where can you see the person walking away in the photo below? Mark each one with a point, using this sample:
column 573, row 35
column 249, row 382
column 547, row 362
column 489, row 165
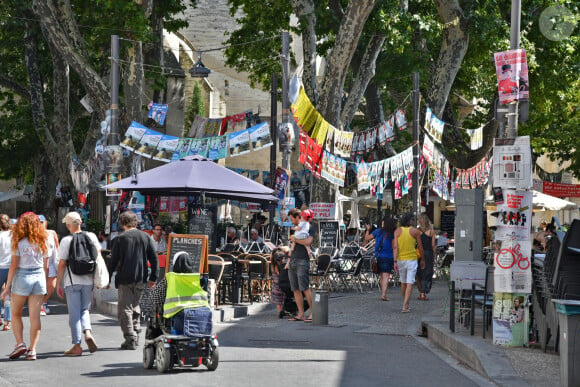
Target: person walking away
column 404, row 251
column 52, row 265
column 383, row 237
column 27, row 280
column 159, row 243
column 299, row 269
column 428, row 241
column 78, row 287
column 131, row 252
column 5, row 259
column 277, row 295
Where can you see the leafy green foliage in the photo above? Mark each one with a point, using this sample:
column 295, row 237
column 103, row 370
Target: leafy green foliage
column 195, row 108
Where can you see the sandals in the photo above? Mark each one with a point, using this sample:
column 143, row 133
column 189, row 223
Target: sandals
column 385, row 298
column 18, row 351
column 31, row 355
column 72, row 352
column 6, row 326
column 91, row 343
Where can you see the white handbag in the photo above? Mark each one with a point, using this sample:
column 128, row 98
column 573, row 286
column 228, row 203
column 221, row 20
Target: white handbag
column 101, row 277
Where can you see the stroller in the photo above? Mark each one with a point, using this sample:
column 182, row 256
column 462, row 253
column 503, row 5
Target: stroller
column 290, row 308
column 179, row 324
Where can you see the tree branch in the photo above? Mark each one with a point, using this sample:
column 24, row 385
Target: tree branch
column 304, row 9
column 335, row 6
column 16, row 87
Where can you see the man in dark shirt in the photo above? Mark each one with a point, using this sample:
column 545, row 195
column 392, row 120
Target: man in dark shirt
column 299, row 269
column 129, row 256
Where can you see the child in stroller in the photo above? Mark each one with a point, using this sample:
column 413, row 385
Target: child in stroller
column 179, row 321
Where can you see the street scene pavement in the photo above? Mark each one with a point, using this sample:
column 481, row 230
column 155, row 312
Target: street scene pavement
column 367, row 342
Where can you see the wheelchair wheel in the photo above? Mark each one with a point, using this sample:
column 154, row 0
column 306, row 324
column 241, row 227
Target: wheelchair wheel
column 212, row 362
column 148, row 357
column 163, row 357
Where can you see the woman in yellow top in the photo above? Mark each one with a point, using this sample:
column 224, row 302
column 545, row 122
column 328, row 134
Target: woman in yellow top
column 407, row 238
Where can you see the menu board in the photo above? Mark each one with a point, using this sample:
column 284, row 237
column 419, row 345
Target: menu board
column 194, row 245
column 448, row 223
column 202, row 221
column 328, row 233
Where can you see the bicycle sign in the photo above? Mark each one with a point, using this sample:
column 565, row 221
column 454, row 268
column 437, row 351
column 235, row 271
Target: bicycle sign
column 510, row 256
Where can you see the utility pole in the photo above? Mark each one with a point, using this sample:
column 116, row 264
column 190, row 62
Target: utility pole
column 416, row 189
column 274, row 135
column 287, row 144
column 512, row 131
column 114, row 138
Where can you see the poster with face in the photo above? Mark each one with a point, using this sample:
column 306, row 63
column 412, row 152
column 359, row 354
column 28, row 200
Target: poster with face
column 355, row 141
column 329, row 143
column 347, row 138
column 218, row 147
column 362, row 143
column 382, row 136
column 390, row 132
column 182, row 148
column 401, row 120
column 510, row 319
column 158, row 112
column 341, row 172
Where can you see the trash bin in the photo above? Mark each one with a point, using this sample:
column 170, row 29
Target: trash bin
column 320, row 307
column 569, row 319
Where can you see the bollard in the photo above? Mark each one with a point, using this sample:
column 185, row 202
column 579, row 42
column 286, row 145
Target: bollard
column 569, row 318
column 320, row 307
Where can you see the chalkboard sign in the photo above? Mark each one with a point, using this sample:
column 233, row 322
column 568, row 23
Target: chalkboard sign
column 328, row 233
column 194, row 245
column 202, row 221
column 448, row 223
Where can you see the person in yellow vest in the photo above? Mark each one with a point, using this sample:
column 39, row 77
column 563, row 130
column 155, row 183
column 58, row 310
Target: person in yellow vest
column 405, row 244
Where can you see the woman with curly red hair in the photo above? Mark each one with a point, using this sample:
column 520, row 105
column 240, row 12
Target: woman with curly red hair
column 27, row 280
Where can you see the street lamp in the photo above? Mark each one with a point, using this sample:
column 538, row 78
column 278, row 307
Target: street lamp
column 199, row 70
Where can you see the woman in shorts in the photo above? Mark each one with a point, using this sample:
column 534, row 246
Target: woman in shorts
column 27, row 280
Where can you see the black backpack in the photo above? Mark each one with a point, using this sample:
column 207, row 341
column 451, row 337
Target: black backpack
column 82, row 254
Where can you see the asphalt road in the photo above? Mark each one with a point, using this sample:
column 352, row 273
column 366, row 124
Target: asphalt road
column 259, row 350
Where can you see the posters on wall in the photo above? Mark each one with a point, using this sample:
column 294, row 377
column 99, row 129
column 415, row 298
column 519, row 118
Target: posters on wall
column 514, row 215
column 511, row 69
column 512, row 163
column 513, row 269
column 510, row 319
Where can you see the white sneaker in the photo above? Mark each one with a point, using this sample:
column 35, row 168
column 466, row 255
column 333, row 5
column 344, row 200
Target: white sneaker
column 42, row 311
column 46, row 309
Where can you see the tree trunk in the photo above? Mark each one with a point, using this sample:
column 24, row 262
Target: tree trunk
column 133, row 83
column 304, row 9
column 44, row 187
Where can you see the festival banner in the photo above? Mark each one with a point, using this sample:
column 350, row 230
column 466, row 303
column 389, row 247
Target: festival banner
column 148, row 144
column 260, row 136
column 239, row 143
column 133, row 136
column 511, row 69
column 157, row 112
column 218, row 147
column 166, row 147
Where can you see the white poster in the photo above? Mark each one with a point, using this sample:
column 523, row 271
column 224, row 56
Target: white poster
column 512, row 163
column 514, row 216
column 513, row 269
column 323, row 210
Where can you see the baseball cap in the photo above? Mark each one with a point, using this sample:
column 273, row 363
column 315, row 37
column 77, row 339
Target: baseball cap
column 72, row 217
column 42, row 218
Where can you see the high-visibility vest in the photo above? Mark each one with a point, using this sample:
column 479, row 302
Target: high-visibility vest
column 183, row 291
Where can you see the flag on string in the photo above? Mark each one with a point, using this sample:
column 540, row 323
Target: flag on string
column 401, row 120
column 390, row 132
column 239, row 143
column 148, row 144
column 260, row 136
column 166, row 147
column 304, row 111
column 157, row 112
column 302, row 147
column 218, row 147
column 133, row 136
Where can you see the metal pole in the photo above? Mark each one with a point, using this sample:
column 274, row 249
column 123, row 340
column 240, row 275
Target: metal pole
column 273, row 153
column 114, row 138
column 416, row 188
column 512, row 131
column 287, row 146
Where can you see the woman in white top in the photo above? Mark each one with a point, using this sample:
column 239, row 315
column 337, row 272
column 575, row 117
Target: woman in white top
column 78, row 289
column 27, row 280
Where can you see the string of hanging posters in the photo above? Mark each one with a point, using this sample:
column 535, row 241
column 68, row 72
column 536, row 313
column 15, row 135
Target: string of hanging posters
column 435, row 127
column 343, row 144
column 205, row 138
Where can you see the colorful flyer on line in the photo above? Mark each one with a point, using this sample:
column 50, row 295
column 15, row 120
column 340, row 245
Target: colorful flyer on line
column 158, row 112
column 133, row 136
column 166, row 148
column 148, row 144
column 218, row 148
column 182, row 148
column 260, row 136
column 239, row 143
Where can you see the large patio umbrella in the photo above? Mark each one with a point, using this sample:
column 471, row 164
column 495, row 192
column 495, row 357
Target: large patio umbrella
column 196, row 174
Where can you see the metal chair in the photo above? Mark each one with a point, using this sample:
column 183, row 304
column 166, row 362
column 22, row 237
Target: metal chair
column 321, row 270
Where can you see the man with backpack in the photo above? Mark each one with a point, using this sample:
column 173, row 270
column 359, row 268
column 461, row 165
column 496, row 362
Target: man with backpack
column 130, row 253
column 78, row 256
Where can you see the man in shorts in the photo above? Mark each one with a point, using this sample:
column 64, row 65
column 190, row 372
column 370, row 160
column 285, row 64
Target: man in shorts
column 299, row 269
column 404, row 251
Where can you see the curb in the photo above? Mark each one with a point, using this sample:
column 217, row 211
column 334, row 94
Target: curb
column 488, row 360
column 221, row 314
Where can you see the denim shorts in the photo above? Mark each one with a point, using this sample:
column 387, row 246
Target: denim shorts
column 29, row 282
column 299, row 274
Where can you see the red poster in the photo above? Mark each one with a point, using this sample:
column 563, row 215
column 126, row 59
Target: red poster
column 302, row 147
column 561, row 190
